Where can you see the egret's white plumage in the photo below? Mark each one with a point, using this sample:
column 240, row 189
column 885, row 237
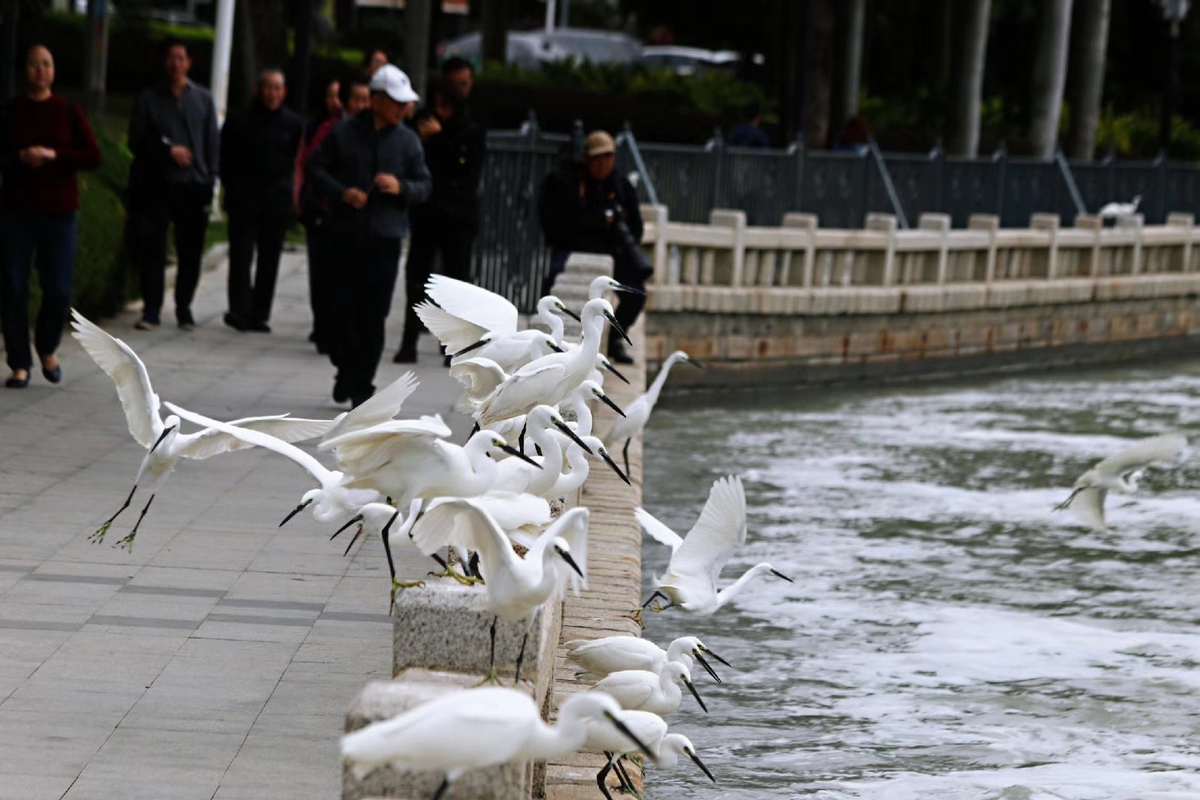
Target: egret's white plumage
column 165, row 443
column 1119, row 472
column 596, row 658
column 637, row 413
column 656, row 692
column 483, row 727
column 473, row 304
column 1117, row 210
column 690, row 581
column 649, row 729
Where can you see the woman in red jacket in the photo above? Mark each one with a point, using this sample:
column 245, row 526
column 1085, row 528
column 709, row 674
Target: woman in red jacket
column 44, row 141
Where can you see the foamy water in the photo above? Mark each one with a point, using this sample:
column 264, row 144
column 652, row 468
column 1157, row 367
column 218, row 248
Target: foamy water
column 948, row 634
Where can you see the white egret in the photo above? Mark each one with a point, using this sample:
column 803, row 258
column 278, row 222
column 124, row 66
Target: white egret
column 381, row 518
column 511, row 348
column 596, row 658
column 482, row 727
column 407, row 459
column 518, row 476
column 637, row 413
column 656, row 692
column 551, row 379
column 579, row 468
column 1117, row 210
column 516, row 587
column 648, row 728
column 383, row 406
column 164, row 442
column 1119, row 472
column 602, row 283
column 690, row 581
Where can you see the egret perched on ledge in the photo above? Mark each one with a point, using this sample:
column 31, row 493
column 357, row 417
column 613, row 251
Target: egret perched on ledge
column 690, row 581
column 597, row 658
column 645, row 727
column 165, row 443
column 484, row 727
column 637, row 413
column 656, row 692
column 1119, row 472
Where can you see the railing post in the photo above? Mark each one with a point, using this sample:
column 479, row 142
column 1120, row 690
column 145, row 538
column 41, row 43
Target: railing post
column 1095, row 224
column 809, row 223
column 941, row 224
column 1137, row 222
column 1049, row 223
column 729, row 218
column 658, row 215
column 1188, row 222
column 885, row 223
column 991, row 224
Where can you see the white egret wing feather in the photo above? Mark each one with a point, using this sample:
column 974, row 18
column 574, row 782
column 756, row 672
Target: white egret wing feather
column 473, row 303
column 657, row 530
column 631, row 688
column 1146, row 453
column 361, row 452
column 478, row 376
column 1088, row 506
column 720, row 530
column 461, row 523
column 381, row 407
column 455, row 333
column 128, row 373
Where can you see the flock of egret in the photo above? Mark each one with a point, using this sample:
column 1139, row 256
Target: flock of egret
column 481, row 509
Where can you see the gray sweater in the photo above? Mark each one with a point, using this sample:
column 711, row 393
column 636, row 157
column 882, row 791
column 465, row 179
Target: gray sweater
column 161, row 120
column 351, row 156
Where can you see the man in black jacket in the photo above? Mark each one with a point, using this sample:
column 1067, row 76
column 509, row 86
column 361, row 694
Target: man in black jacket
column 258, row 153
column 455, row 148
column 370, row 170
column 581, row 208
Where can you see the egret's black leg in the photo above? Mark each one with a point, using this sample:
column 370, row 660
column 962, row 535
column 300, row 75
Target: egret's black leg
column 127, row 542
column 98, row 536
column 521, row 657
column 521, row 438
column 602, row 775
column 473, row 566
column 492, row 663
column 625, row 453
column 626, row 781
column 650, row 599
column 441, row 790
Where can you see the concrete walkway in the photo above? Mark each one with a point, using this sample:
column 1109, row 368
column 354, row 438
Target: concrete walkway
column 219, row 658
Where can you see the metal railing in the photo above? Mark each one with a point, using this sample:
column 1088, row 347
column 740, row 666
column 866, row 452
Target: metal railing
column 840, row 187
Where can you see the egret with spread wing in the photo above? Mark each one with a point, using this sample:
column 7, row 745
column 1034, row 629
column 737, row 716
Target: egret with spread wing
column 1119, row 472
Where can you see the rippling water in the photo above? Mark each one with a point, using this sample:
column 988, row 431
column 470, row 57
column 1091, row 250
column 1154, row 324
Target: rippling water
column 948, row 635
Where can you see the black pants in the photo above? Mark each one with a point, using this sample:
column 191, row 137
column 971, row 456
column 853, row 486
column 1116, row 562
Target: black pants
column 365, row 276
column 629, row 306
column 48, row 242
column 320, row 281
column 250, row 301
column 187, row 208
column 431, row 235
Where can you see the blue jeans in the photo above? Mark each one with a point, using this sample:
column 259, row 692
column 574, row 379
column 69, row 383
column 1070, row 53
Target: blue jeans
column 46, row 241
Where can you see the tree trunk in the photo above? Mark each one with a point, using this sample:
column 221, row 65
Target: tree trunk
column 820, row 72
column 850, row 60
column 1085, row 87
column 790, row 14
column 493, row 20
column 1049, row 76
column 966, row 79
column 417, row 19
column 8, row 47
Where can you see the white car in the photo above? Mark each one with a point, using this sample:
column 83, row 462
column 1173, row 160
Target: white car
column 688, row 61
column 527, row 50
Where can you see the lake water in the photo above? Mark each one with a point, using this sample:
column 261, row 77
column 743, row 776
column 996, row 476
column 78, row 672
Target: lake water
column 948, row 635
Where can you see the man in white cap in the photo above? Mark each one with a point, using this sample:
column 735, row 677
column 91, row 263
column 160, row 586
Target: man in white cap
column 370, row 169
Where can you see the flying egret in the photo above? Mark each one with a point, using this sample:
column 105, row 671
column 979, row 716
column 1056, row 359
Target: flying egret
column 504, row 345
column 550, row 379
column 656, row 692
column 690, row 581
column 1116, row 210
column 407, row 459
column 164, row 442
column 1119, row 472
column 596, row 658
column 516, row 587
column 637, row 413
column 483, row 727
column 645, row 727
column 330, row 502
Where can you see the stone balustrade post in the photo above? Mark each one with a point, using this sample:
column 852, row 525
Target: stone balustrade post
column 808, row 222
column 1187, row 221
column 1137, row 222
column 885, row 223
column 990, row 223
column 661, row 254
column 1049, row 223
column 940, row 223
column 731, row 218
column 1095, row 224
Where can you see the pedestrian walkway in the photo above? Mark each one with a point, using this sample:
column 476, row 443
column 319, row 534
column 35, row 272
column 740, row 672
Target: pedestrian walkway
column 218, row 659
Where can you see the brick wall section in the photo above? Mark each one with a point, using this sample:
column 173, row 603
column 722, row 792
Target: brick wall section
column 614, row 575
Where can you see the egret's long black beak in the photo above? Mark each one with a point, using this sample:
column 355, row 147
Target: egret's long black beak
column 612, row 464
column 556, row 348
column 694, row 362
column 571, row 562
column 616, row 326
column 692, row 688
column 608, row 402
column 512, row 451
column 624, row 729
column 160, row 438
column 608, row 366
column 717, row 657
column 696, row 760
column 354, row 519
column 574, row 437
column 620, row 287
column 707, row 667
column 296, row 511
column 779, row 574
column 571, row 314
column 469, row 348
column 353, row 539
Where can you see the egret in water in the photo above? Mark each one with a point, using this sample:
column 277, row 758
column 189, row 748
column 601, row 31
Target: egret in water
column 690, row 581
column 596, row 658
column 637, row 413
column 645, row 727
column 407, row 459
column 165, row 443
column 483, row 727
column 516, row 587
column 656, row 692
column 1119, row 472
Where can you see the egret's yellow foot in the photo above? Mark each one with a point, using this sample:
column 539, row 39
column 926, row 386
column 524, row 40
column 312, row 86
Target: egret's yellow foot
column 491, row 678
column 465, row 580
column 101, row 532
column 127, row 542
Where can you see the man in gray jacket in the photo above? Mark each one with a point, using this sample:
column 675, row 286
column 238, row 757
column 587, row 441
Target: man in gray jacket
column 370, row 169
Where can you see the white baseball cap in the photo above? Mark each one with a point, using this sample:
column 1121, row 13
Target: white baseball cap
column 392, row 81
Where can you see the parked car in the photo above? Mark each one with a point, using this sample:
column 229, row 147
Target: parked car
column 531, row 49
column 688, row 61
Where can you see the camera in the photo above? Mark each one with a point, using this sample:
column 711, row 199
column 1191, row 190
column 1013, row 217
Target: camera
column 631, row 247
